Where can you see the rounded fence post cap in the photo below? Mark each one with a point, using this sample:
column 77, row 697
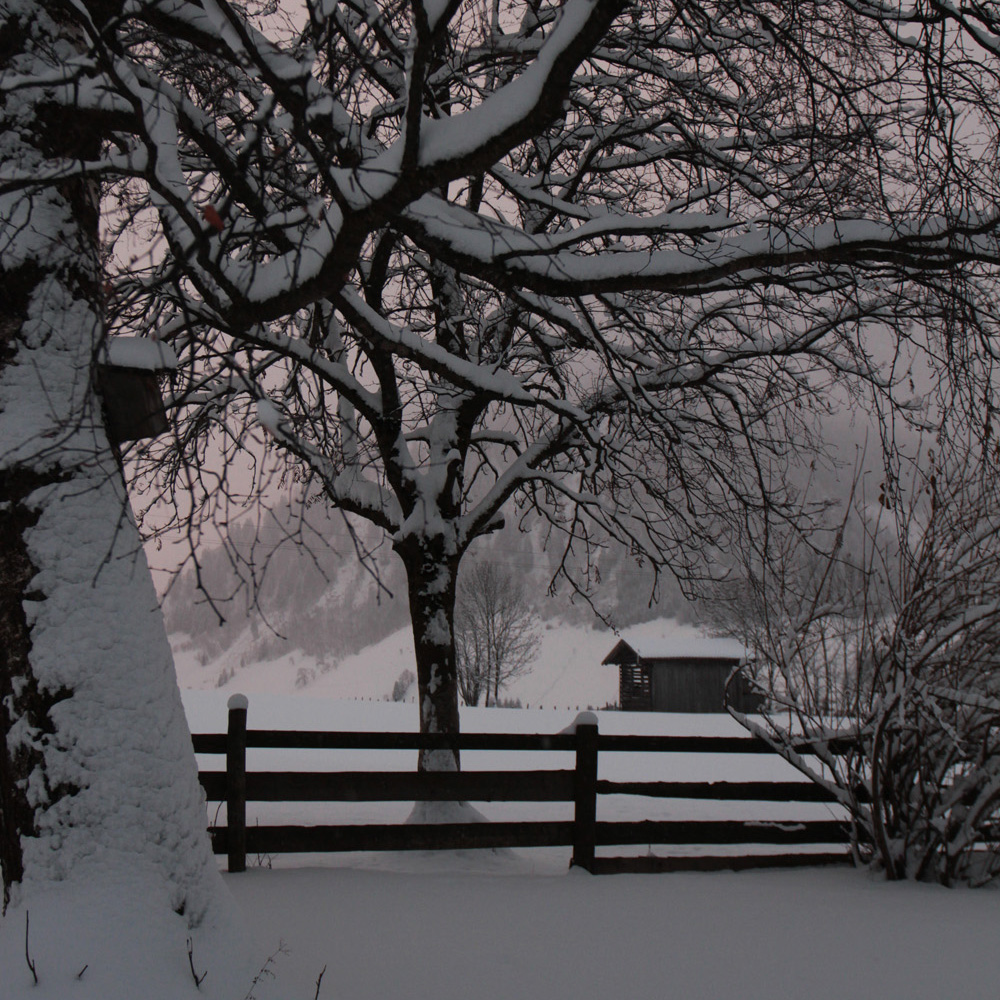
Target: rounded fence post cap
column 237, row 701
column 582, row 719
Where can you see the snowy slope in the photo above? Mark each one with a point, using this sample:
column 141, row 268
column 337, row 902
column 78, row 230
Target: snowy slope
column 566, row 674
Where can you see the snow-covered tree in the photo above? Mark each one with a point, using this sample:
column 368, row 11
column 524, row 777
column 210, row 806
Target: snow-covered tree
column 593, row 262
column 102, row 819
column 909, row 741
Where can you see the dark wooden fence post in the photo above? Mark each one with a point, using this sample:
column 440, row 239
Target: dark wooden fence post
column 585, row 792
column 236, row 784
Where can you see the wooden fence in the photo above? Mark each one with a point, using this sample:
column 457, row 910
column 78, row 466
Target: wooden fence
column 581, row 786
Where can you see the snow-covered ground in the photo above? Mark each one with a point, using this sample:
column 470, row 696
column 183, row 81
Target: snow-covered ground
column 451, row 929
column 519, row 924
column 502, row 925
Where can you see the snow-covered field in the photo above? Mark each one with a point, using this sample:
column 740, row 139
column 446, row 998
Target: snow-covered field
column 497, row 926
column 567, row 671
column 512, row 925
column 449, row 929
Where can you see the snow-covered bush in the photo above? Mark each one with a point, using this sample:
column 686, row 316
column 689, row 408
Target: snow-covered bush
column 403, row 684
column 912, row 746
column 305, row 677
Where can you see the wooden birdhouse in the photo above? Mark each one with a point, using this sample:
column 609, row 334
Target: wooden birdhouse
column 127, row 379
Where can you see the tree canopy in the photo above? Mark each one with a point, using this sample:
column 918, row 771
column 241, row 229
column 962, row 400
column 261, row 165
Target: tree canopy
column 597, row 261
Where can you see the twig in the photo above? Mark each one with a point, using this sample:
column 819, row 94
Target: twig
column 79, row 975
column 318, row 981
column 266, row 971
column 198, row 980
column 27, row 952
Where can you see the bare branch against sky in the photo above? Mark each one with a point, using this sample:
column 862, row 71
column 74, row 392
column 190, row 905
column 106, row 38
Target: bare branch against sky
column 596, row 261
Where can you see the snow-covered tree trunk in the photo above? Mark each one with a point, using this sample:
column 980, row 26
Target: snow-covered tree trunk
column 98, row 783
column 431, row 563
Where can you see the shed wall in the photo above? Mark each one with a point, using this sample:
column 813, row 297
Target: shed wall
column 689, row 685
column 634, row 688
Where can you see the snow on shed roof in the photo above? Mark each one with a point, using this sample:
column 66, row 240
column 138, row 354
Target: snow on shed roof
column 676, row 648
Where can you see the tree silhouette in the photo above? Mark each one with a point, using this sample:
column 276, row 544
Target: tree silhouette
column 593, row 262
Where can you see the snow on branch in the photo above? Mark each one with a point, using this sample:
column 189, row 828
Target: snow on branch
column 536, row 261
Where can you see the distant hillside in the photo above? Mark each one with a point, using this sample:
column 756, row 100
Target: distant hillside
column 314, row 605
column 567, row 673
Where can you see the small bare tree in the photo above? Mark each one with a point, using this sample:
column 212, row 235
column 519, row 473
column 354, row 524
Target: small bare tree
column 496, row 632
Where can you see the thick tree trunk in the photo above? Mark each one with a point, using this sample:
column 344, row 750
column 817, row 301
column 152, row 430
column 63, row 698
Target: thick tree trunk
column 19, row 694
column 431, row 573
column 97, row 775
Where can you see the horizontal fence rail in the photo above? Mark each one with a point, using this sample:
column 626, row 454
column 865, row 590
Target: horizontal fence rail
column 295, row 739
column 398, row 786
column 581, row 786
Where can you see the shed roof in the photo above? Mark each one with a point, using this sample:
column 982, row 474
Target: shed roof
column 676, row 648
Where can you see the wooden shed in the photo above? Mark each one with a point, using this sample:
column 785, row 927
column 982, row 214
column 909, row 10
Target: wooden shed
column 680, row 675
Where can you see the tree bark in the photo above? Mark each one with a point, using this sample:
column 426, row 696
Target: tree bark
column 96, row 768
column 20, row 697
column 431, row 573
